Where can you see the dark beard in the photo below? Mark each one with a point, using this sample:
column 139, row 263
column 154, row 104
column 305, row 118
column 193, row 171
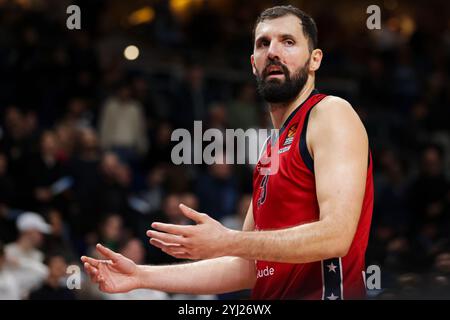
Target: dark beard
column 278, row 91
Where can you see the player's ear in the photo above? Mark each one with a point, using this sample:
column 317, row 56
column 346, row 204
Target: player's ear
column 315, row 60
column 252, row 61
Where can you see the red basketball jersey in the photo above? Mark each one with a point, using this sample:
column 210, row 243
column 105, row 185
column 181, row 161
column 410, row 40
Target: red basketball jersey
column 288, row 198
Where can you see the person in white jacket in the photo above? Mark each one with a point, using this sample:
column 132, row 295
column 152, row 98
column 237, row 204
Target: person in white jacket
column 24, row 261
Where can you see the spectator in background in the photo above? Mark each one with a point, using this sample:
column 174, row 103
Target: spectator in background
column 78, row 114
column 7, row 183
column 189, row 199
column 44, row 170
column 155, row 187
column 114, row 186
column 161, row 146
column 111, row 231
column 243, row 112
column 25, row 260
column 429, row 200
column 8, row 195
column 218, row 116
column 122, row 125
column 59, row 240
column 9, row 287
column 236, row 221
column 148, row 202
column 194, row 95
column 17, row 143
column 85, row 170
column 391, row 185
column 217, row 190
column 54, row 287
column 66, row 137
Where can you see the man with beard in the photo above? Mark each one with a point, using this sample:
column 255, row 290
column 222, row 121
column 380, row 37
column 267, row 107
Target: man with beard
column 307, row 228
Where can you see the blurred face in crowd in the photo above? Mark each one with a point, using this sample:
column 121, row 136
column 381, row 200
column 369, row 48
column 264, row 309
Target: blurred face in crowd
column 164, row 133
column 190, row 200
column 134, row 250
column 220, row 169
column 56, row 221
column 110, row 164
column 14, row 122
column 49, row 144
column 3, row 164
column 77, row 106
column 432, row 162
column 112, row 228
column 172, row 211
column 57, row 267
column 282, row 60
column 218, row 115
column 124, row 93
column 35, row 237
column 156, row 177
column 88, row 140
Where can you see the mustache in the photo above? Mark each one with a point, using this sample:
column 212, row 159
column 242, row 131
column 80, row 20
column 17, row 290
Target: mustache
column 277, row 63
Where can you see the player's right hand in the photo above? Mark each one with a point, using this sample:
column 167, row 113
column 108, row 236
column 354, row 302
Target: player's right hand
column 114, row 275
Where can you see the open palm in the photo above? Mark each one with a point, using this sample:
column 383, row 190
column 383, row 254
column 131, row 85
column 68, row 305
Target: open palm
column 114, row 275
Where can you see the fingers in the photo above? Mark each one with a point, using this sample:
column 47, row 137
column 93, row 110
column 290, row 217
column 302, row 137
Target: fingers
column 106, row 252
column 163, row 245
column 172, row 228
column 174, row 250
column 91, row 261
column 166, row 237
column 192, row 214
column 93, row 273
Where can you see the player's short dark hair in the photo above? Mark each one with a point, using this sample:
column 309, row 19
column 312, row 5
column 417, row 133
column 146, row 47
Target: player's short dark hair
column 309, row 26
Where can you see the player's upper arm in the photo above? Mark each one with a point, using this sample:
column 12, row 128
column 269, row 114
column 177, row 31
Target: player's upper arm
column 338, row 143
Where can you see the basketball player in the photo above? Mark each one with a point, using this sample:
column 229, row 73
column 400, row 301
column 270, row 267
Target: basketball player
column 306, row 231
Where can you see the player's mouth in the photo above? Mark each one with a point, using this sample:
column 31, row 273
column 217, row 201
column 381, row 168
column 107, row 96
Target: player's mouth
column 274, row 72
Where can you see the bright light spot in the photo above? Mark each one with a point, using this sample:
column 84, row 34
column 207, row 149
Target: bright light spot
column 184, row 7
column 131, row 52
column 143, row 15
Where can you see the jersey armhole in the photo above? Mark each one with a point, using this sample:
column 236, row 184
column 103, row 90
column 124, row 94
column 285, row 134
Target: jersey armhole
column 304, row 152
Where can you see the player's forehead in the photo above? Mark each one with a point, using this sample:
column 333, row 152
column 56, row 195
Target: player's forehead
column 285, row 25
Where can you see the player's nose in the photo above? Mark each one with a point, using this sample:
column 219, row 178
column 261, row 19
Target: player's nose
column 274, row 51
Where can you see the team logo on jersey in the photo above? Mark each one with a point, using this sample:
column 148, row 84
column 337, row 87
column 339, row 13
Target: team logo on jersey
column 289, row 139
column 291, row 135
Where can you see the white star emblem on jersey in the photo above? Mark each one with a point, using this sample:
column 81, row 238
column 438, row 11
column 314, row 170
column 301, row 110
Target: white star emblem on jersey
column 331, row 267
column 332, row 297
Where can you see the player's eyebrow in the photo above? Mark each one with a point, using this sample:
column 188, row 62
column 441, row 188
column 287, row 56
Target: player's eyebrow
column 287, row 36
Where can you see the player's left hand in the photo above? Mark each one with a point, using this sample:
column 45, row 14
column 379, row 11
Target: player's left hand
column 204, row 240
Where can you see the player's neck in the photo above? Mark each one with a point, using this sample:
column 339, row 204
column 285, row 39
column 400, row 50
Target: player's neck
column 279, row 112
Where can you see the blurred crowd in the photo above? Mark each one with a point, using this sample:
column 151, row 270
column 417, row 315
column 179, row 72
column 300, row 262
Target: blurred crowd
column 85, row 138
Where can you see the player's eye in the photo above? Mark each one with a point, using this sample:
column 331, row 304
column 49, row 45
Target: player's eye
column 289, row 42
column 263, row 43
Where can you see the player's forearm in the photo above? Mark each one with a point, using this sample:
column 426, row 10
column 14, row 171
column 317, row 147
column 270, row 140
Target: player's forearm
column 301, row 244
column 213, row 276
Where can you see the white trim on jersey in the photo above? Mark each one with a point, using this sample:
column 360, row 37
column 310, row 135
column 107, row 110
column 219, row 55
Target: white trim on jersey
column 342, row 279
column 323, row 280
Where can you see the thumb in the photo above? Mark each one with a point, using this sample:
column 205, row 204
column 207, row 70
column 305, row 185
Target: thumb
column 192, row 214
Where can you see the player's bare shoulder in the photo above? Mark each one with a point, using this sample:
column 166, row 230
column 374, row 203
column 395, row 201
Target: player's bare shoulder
column 334, row 118
column 334, row 108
